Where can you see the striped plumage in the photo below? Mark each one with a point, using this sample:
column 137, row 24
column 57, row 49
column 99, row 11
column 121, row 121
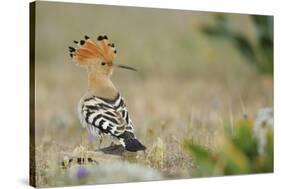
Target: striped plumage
column 103, row 110
column 106, row 117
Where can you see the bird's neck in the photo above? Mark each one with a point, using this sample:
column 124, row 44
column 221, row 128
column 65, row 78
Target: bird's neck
column 100, row 85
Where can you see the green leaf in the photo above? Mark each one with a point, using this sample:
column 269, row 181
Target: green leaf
column 244, row 138
column 245, row 47
column 203, row 158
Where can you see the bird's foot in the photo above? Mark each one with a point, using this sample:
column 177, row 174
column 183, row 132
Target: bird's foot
column 113, row 149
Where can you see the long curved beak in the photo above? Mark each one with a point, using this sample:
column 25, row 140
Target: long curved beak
column 125, row 67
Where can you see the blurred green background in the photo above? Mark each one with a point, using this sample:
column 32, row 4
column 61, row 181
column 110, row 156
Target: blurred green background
column 197, row 72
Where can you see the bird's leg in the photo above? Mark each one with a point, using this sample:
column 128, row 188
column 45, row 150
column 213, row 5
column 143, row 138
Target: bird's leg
column 112, row 144
column 100, row 141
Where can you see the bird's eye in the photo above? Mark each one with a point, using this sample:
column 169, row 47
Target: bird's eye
column 103, row 63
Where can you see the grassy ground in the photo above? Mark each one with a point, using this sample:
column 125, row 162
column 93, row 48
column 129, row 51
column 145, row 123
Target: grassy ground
column 187, row 86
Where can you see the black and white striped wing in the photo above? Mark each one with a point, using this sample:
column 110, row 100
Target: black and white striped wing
column 108, row 116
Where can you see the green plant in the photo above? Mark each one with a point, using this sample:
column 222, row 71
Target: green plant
column 259, row 53
column 237, row 154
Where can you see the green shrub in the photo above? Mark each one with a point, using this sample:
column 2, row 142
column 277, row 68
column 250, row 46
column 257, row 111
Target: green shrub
column 237, row 153
column 260, row 52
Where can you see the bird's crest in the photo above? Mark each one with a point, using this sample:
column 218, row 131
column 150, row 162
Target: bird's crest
column 88, row 50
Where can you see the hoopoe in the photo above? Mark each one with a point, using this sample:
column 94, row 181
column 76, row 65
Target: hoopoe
column 102, row 110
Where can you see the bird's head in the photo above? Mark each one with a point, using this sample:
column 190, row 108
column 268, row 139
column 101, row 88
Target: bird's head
column 98, row 57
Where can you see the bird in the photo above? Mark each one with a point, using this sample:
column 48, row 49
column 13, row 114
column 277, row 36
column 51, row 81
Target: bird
column 102, row 109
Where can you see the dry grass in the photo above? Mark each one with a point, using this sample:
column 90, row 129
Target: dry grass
column 187, row 86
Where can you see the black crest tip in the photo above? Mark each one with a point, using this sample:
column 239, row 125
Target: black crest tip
column 105, row 37
column 100, row 38
column 115, row 51
column 75, row 41
column 71, row 49
column 87, row 37
column 82, row 42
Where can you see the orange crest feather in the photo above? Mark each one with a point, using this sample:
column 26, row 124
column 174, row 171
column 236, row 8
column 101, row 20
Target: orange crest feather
column 89, row 50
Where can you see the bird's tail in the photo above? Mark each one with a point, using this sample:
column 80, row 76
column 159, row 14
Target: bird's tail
column 133, row 145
